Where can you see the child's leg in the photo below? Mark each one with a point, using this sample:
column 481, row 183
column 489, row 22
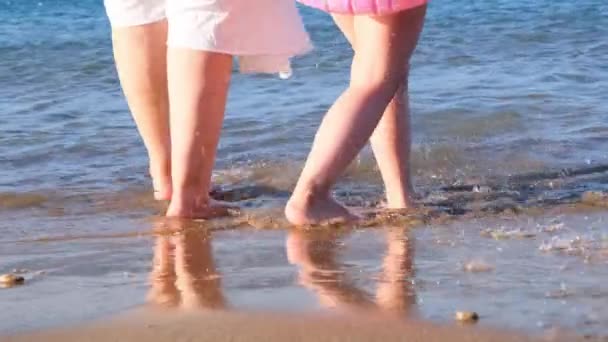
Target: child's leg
column 140, row 54
column 379, row 66
column 198, row 87
column 391, row 140
column 391, row 143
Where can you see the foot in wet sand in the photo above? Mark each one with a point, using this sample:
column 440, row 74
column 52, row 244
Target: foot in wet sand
column 408, row 205
column 317, row 211
column 400, row 203
column 400, row 199
column 198, row 208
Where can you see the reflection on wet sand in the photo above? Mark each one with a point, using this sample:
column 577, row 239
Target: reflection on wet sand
column 184, row 274
column 316, row 253
column 184, row 280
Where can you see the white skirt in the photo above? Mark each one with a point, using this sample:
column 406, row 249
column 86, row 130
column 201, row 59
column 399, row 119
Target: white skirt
column 263, row 34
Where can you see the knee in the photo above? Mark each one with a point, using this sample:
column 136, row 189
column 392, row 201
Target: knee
column 402, row 92
column 380, row 79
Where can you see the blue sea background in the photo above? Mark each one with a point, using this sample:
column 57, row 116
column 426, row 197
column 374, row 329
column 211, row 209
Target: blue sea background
column 496, row 87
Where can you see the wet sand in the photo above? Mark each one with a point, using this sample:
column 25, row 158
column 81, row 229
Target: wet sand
column 526, row 273
column 241, row 326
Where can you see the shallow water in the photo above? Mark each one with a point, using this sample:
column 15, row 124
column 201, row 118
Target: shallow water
column 510, row 132
column 497, row 88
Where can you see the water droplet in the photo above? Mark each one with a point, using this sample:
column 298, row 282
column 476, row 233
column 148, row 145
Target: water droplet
column 284, row 75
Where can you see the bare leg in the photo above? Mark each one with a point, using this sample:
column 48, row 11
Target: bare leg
column 379, row 67
column 140, row 54
column 391, row 143
column 391, row 140
column 198, row 88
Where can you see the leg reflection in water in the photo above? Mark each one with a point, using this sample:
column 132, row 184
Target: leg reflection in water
column 316, row 255
column 184, row 275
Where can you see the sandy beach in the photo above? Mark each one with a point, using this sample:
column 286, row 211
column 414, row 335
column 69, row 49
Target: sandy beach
column 225, row 326
column 521, row 273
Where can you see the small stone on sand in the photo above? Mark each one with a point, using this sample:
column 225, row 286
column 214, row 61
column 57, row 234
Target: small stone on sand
column 501, row 234
column 467, row 316
column 478, row 266
column 10, row 280
column 595, row 198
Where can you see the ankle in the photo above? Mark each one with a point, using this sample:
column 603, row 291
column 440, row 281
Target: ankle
column 160, row 168
column 190, row 196
column 398, row 201
column 306, row 196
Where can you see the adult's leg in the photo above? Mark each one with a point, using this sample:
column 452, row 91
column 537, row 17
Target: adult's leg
column 198, row 89
column 140, row 55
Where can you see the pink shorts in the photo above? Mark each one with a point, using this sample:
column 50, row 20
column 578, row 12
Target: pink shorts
column 369, row 7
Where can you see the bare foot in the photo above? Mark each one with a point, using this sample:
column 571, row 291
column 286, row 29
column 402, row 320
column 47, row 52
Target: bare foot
column 317, row 211
column 405, row 200
column 161, row 183
column 400, row 200
column 195, row 208
column 401, row 203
